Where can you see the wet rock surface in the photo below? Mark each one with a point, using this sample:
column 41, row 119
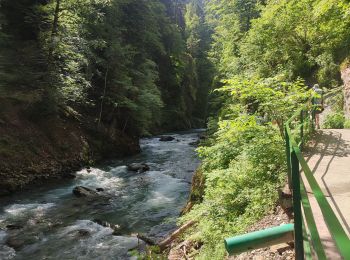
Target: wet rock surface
column 13, row 227
column 166, row 138
column 138, row 167
column 81, row 191
column 15, row 243
column 83, row 233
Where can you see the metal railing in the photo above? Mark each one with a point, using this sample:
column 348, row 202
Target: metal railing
column 307, row 239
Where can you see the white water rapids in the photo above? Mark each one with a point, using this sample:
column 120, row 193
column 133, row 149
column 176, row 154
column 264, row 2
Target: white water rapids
column 49, row 222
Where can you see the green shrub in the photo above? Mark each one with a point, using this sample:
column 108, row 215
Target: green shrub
column 244, row 170
column 335, row 120
column 347, row 124
column 243, row 160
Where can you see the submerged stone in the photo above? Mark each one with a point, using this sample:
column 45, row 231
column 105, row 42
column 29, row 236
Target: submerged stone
column 166, row 139
column 81, row 191
column 138, row 167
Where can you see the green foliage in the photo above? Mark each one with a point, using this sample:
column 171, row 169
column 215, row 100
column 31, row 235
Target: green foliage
column 241, row 181
column 334, row 120
column 125, row 64
column 336, row 101
column 347, row 124
column 291, row 39
column 263, row 53
column 231, row 20
column 244, row 162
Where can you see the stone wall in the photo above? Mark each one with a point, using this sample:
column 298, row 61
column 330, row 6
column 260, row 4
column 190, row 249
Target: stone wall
column 345, row 74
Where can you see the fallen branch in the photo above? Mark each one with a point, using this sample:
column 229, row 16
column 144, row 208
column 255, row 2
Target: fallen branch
column 147, row 240
column 166, row 242
column 163, row 244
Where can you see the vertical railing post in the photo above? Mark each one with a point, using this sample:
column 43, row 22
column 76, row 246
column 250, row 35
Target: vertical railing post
column 289, row 167
column 309, row 118
column 298, row 222
column 313, row 115
column 301, row 129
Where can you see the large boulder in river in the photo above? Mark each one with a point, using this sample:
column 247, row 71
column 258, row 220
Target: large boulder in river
column 138, row 167
column 81, row 191
column 166, row 139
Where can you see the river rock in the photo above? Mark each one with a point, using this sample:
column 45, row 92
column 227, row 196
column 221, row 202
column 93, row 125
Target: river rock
column 166, row 139
column 117, row 232
column 83, row 233
column 138, row 167
column 13, row 227
column 15, row 243
column 196, row 143
column 81, row 191
column 102, row 223
column 202, row 136
column 116, row 228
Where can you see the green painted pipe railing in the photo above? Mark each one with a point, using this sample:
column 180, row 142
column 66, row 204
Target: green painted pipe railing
column 260, row 239
column 307, row 239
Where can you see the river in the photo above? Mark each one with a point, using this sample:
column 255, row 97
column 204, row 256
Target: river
column 49, row 222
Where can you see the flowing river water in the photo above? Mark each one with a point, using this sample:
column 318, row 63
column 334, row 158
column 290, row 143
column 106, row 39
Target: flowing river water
column 49, row 222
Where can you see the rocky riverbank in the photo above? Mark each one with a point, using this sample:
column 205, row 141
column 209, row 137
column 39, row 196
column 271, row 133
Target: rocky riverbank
column 34, row 150
column 117, row 204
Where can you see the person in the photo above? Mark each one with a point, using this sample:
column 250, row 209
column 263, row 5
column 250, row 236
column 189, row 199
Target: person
column 317, row 101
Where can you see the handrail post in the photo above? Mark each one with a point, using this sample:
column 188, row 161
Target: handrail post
column 313, row 116
column 298, row 223
column 301, row 129
column 289, row 167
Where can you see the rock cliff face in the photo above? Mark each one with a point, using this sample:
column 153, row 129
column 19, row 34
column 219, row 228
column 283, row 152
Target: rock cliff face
column 345, row 74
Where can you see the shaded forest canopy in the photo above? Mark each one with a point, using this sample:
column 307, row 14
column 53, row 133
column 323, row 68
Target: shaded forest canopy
column 128, row 65
column 83, row 80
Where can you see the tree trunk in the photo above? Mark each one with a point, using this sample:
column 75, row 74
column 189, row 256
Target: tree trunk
column 103, row 98
column 54, row 30
column 166, row 242
column 55, row 19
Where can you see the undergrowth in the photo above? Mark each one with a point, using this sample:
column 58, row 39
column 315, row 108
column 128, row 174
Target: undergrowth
column 244, row 161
